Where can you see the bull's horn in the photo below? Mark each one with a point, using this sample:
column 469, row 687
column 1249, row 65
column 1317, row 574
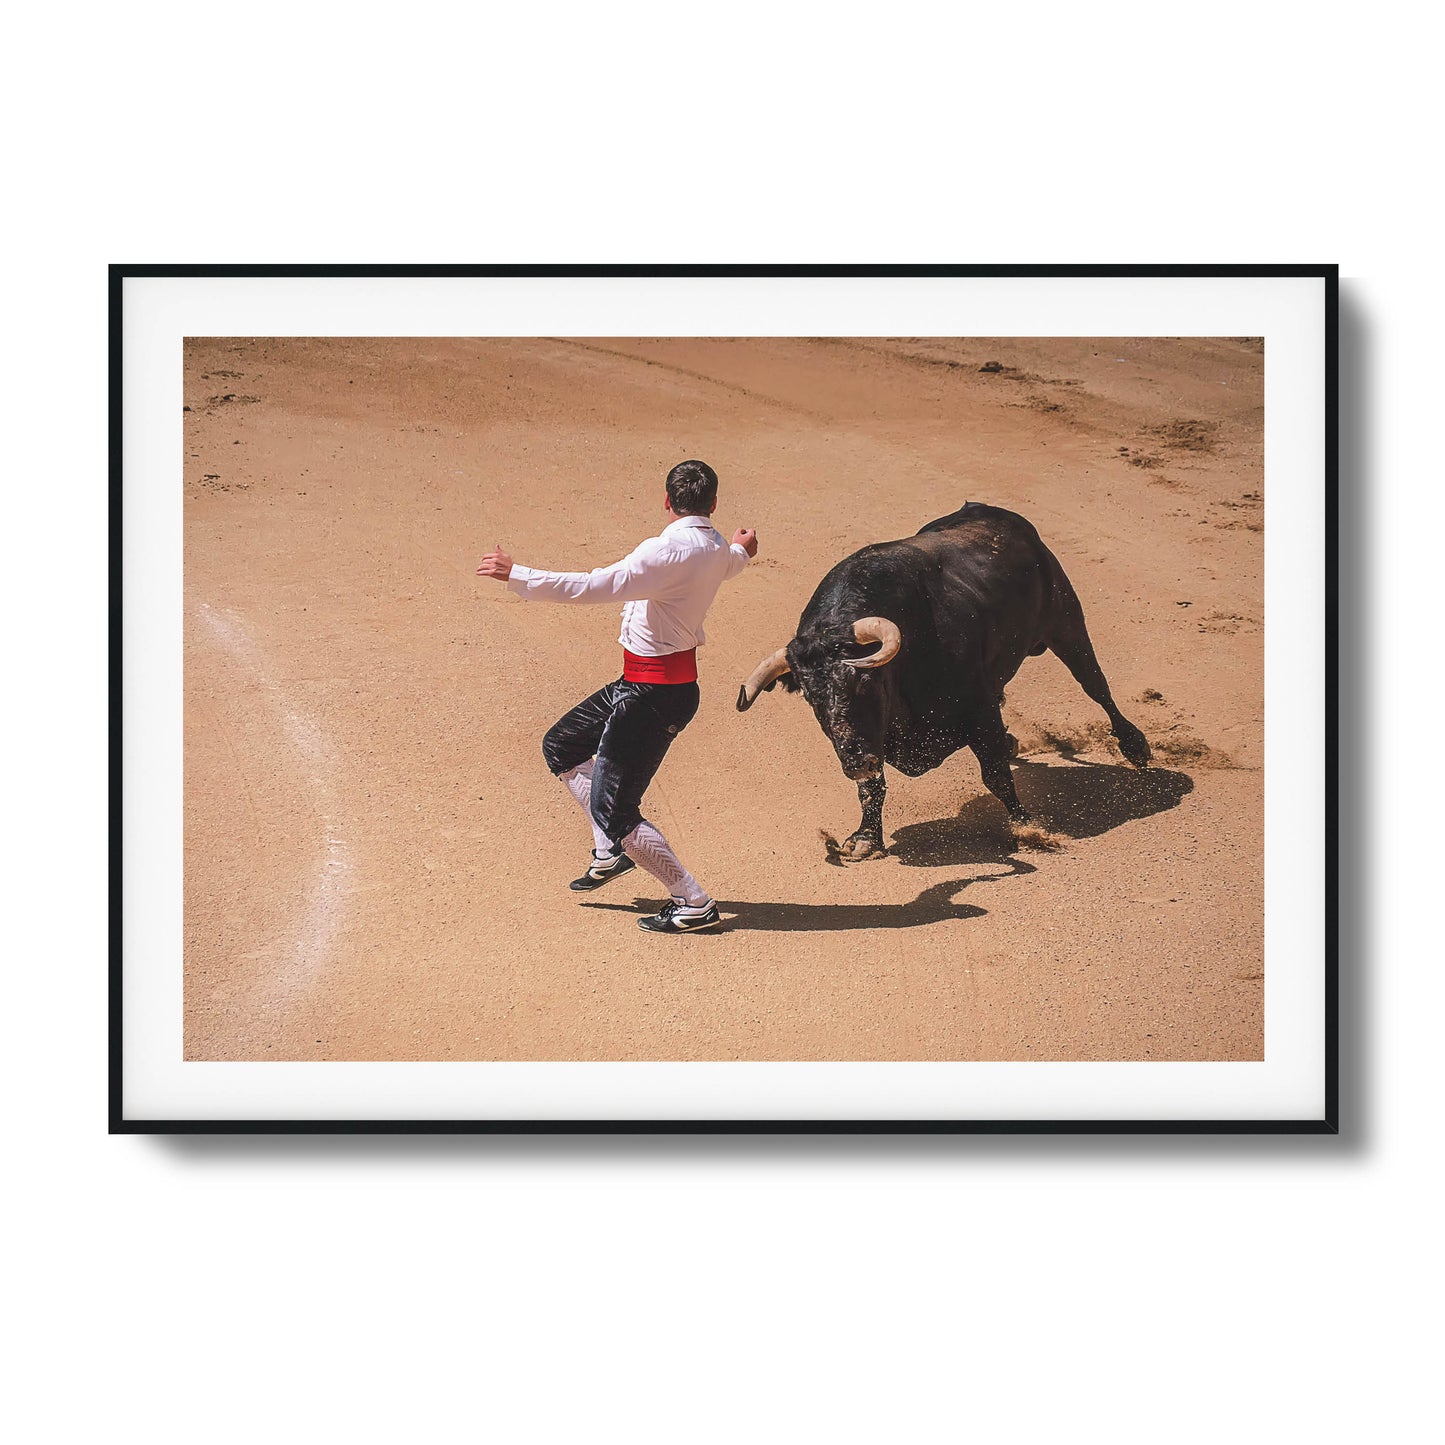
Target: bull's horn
column 876, row 629
column 767, row 671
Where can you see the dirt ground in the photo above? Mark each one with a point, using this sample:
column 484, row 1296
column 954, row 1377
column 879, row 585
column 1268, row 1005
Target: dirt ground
column 377, row 859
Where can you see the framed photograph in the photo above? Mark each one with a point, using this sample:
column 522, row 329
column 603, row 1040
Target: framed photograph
column 950, row 649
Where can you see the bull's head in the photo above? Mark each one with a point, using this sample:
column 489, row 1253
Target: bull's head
column 834, row 667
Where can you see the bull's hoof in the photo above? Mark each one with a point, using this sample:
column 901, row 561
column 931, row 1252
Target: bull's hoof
column 863, row 845
column 1135, row 747
column 1013, row 745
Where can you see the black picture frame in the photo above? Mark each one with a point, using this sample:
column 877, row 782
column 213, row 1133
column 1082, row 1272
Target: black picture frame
column 120, row 1123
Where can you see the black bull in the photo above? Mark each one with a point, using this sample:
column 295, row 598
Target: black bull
column 904, row 651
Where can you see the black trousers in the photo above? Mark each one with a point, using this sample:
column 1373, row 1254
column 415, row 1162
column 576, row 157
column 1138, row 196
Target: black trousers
column 628, row 727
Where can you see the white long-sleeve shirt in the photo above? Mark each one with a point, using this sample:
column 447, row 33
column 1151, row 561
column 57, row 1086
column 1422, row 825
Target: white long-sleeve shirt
column 667, row 584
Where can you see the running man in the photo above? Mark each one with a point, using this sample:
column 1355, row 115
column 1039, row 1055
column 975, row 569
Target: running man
column 608, row 748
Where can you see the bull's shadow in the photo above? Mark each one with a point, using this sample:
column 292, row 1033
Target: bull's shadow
column 1078, row 800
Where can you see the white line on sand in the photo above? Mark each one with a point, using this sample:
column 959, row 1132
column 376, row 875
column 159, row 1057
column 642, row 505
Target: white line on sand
column 320, row 920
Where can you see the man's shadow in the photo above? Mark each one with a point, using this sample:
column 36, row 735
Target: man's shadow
column 1080, row 800
column 933, row 905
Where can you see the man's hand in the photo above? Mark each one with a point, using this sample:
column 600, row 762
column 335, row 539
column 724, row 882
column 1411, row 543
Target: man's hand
column 747, row 539
column 496, row 564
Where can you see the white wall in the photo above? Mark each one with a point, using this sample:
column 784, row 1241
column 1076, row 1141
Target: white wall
column 1013, row 1290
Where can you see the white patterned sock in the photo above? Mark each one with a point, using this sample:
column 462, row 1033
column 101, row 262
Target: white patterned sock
column 647, row 847
column 579, row 784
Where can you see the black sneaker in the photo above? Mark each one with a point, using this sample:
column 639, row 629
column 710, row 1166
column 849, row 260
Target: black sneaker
column 603, row 870
column 680, row 917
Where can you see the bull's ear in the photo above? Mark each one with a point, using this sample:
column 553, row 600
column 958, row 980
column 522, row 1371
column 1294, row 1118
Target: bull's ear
column 788, row 682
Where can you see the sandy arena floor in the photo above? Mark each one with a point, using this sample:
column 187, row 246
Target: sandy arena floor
column 377, row 859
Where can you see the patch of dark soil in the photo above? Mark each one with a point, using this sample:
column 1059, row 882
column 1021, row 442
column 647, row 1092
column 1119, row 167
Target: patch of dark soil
column 211, row 482
column 1228, row 623
column 1186, row 434
column 1013, row 373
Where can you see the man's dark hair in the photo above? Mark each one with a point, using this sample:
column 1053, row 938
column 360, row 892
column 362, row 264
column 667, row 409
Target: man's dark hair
column 692, row 489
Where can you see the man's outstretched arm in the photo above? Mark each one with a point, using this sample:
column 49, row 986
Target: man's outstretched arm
column 744, row 545
column 625, row 581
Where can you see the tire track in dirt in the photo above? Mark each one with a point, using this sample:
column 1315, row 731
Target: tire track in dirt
column 688, row 372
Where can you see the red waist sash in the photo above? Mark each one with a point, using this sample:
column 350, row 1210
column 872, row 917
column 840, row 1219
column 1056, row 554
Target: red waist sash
column 675, row 667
